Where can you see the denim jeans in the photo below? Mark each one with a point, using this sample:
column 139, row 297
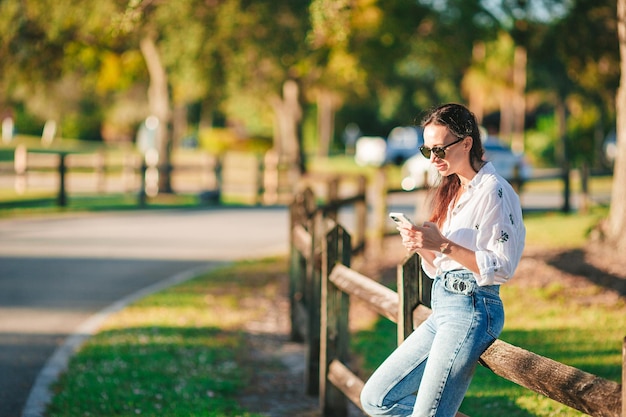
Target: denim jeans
column 429, row 373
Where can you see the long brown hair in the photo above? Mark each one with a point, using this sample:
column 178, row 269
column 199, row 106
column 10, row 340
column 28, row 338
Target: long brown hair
column 461, row 123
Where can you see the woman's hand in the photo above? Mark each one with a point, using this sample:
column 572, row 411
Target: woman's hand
column 427, row 241
column 419, row 238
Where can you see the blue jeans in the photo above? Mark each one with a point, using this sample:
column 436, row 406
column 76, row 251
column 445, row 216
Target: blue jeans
column 429, row 373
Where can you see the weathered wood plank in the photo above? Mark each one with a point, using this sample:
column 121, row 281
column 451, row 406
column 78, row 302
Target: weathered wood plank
column 347, row 382
column 580, row 390
column 379, row 298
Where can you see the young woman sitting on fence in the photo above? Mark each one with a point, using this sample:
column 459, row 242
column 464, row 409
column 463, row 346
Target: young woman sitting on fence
column 471, row 245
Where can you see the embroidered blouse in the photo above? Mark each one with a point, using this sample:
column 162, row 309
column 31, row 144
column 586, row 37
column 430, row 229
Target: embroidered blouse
column 488, row 220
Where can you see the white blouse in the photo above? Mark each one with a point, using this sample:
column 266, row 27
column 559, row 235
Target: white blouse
column 488, row 220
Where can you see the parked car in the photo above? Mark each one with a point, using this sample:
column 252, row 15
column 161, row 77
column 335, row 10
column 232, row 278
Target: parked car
column 418, row 171
column 370, row 150
column 403, row 142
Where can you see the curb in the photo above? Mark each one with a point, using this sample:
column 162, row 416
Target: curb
column 40, row 394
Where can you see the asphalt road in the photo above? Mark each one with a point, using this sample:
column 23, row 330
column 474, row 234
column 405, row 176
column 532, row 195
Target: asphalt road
column 61, row 275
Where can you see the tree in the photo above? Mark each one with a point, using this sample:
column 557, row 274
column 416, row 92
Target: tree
column 265, row 71
column 145, row 22
column 616, row 228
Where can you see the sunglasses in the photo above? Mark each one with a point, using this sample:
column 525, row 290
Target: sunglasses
column 439, row 151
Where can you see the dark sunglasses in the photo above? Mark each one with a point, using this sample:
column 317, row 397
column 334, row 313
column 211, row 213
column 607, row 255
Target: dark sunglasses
column 440, row 152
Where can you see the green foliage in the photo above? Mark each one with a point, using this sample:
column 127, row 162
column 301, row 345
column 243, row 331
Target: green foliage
column 384, row 64
column 219, row 140
column 26, row 123
column 85, row 124
column 540, row 143
column 581, row 128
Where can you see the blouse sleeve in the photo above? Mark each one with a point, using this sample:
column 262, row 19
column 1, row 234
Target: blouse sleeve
column 501, row 237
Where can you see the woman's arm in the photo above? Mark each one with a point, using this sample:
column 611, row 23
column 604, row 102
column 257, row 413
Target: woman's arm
column 427, row 241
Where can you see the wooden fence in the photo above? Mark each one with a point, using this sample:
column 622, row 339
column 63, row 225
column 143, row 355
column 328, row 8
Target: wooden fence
column 234, row 176
column 327, row 304
column 308, row 214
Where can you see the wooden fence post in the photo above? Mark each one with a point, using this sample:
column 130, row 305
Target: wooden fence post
column 62, row 170
column 334, row 336
column 271, row 177
column 297, row 269
column 332, row 198
column 413, row 291
column 20, row 163
column 360, row 210
column 408, row 295
column 313, row 290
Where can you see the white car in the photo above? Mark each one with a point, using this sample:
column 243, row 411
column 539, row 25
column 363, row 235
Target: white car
column 418, row 172
column 402, row 143
column 370, row 150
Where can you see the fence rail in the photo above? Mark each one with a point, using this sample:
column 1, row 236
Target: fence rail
column 408, row 307
column 238, row 176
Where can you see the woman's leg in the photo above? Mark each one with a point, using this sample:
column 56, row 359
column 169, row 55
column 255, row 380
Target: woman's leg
column 390, row 391
column 466, row 325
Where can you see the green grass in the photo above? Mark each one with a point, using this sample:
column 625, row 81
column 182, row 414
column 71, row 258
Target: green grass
column 180, row 352
column 562, row 230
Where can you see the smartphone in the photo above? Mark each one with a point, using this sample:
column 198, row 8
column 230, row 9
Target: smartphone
column 400, row 219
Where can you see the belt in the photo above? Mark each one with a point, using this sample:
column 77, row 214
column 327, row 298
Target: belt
column 460, row 281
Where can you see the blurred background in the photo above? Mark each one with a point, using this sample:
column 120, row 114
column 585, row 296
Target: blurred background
column 294, row 84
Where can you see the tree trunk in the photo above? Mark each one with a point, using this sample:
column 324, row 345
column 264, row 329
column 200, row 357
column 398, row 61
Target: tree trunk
column 519, row 98
column 563, row 153
column 325, row 121
column 477, row 92
column 506, row 114
column 180, row 127
column 159, row 104
column 617, row 214
column 288, row 114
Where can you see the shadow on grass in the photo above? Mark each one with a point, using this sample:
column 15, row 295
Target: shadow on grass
column 573, row 262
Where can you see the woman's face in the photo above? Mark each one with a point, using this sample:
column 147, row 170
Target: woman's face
column 456, row 154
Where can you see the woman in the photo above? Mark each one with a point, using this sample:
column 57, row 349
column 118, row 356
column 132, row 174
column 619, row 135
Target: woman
column 471, row 245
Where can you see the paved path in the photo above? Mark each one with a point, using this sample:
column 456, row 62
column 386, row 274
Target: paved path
column 61, row 275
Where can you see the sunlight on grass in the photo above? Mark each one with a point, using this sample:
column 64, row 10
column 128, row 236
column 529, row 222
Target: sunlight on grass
column 180, row 352
column 561, row 230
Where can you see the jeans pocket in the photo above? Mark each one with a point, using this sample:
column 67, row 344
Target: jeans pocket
column 495, row 316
